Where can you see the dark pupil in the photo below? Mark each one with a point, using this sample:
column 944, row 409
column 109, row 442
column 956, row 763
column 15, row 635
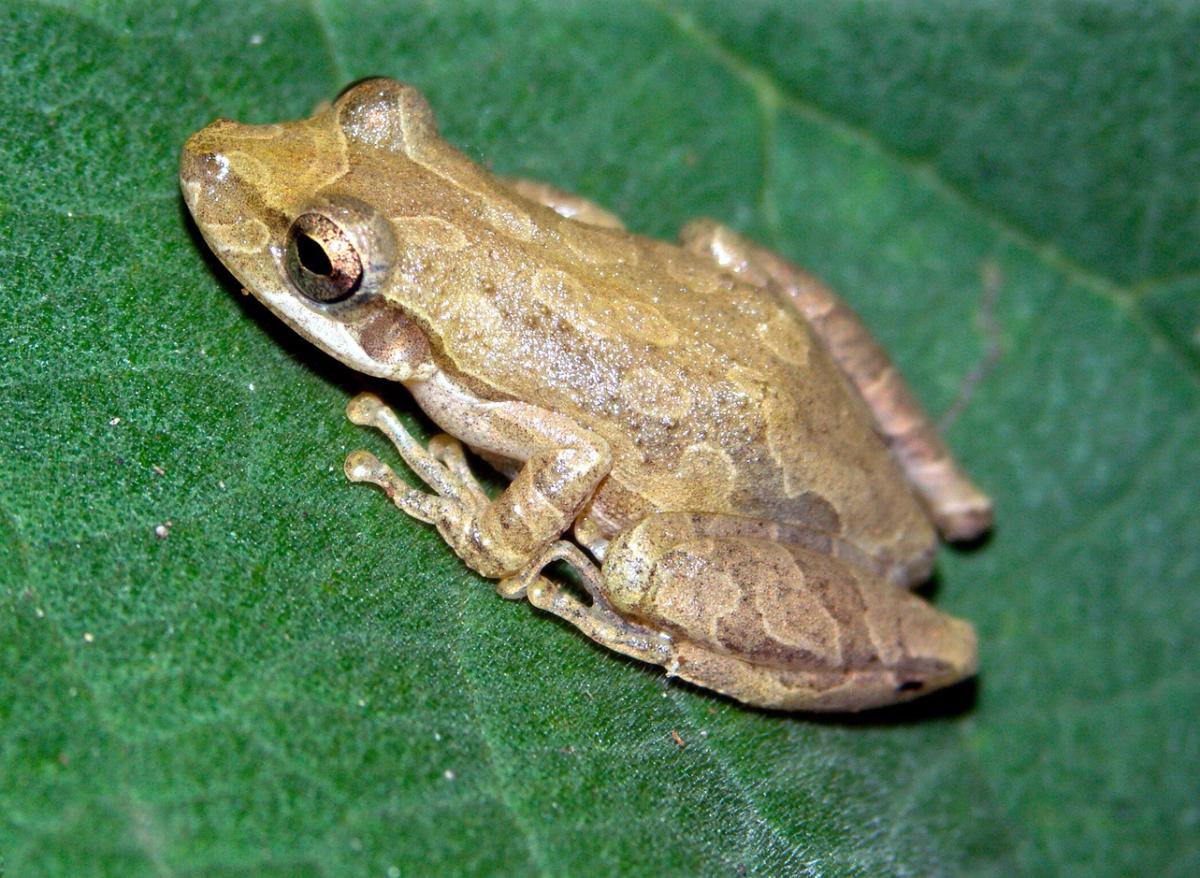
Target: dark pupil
column 312, row 255
column 321, row 260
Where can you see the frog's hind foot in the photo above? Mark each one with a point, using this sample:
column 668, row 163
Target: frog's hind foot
column 597, row 619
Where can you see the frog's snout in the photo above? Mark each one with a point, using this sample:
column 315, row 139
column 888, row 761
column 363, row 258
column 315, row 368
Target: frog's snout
column 199, row 168
column 203, row 161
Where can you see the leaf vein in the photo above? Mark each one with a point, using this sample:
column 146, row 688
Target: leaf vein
column 771, row 90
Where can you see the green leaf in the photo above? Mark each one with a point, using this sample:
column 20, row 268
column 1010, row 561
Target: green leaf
column 296, row 680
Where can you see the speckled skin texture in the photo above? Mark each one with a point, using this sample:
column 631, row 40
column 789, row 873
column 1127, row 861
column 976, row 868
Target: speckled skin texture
column 712, row 425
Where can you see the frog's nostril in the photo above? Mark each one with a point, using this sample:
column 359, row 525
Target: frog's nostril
column 200, row 166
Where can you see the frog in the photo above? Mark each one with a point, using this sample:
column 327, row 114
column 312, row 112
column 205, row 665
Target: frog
column 727, row 473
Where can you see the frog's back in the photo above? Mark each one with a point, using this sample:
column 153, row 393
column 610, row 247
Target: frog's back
column 713, row 394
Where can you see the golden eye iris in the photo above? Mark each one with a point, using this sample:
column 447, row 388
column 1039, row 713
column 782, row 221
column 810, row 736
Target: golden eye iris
column 321, row 261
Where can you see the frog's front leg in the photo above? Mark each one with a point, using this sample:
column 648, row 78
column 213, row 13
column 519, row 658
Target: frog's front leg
column 499, row 538
column 958, row 508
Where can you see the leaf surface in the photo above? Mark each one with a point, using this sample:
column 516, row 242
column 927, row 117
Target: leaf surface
column 296, row 680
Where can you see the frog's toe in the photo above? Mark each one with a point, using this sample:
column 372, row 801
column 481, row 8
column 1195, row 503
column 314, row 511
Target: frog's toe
column 363, row 466
column 364, row 409
column 448, row 451
column 368, row 410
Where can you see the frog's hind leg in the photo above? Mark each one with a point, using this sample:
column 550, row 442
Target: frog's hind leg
column 958, row 508
column 760, row 612
column 564, row 203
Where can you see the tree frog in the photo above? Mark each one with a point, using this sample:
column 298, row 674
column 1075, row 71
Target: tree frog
column 741, row 482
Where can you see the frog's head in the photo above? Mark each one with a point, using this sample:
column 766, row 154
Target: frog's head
column 298, row 213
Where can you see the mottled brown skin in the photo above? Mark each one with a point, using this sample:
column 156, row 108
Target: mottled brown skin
column 757, row 487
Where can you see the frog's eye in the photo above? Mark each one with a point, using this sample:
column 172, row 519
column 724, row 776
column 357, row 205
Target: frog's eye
column 321, row 260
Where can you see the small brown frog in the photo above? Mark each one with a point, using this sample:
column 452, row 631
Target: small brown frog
column 703, row 432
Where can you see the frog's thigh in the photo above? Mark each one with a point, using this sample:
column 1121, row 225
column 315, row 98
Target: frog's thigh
column 778, row 624
column 957, row 506
column 564, row 203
